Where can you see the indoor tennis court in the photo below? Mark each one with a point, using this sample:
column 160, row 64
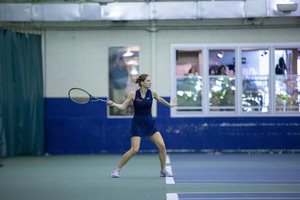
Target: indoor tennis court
column 218, row 79
column 196, row 176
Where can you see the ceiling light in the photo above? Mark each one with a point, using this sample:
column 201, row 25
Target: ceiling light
column 287, row 7
column 128, row 53
column 132, row 62
column 102, row 2
column 220, row 54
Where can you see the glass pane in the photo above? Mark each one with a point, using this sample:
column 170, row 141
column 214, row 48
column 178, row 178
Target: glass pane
column 255, row 80
column 222, row 93
column 222, row 80
column 189, row 93
column 287, row 93
column 287, row 84
column 189, row 80
column 123, row 69
column 255, row 97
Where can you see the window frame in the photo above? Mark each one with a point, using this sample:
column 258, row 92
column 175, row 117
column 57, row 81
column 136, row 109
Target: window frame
column 279, row 113
column 174, row 47
column 256, row 46
column 217, row 113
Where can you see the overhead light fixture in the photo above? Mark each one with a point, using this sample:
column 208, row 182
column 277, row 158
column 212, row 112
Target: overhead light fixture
column 132, row 62
column 287, row 7
column 103, row 2
column 128, row 53
column 220, row 54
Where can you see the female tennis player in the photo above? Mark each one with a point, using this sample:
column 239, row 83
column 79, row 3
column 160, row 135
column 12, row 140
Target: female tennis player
column 143, row 125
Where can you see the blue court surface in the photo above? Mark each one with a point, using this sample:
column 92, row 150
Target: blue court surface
column 234, row 176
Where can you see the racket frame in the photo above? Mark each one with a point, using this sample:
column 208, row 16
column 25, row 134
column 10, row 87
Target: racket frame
column 92, row 98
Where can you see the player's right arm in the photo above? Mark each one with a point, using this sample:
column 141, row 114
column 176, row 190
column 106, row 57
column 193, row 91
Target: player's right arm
column 125, row 104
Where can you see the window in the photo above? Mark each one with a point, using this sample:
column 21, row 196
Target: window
column 189, row 80
column 123, row 69
column 255, row 80
column 221, row 80
column 287, row 79
column 236, row 79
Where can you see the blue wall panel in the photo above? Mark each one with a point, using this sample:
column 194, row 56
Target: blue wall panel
column 85, row 129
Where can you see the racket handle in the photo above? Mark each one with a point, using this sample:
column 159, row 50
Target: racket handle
column 99, row 100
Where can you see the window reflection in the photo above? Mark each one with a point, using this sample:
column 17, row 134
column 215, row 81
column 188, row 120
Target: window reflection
column 222, row 80
column 189, row 92
column 222, row 93
column 189, row 80
column 287, row 93
column 255, row 97
column 287, row 81
column 255, row 80
column 123, row 69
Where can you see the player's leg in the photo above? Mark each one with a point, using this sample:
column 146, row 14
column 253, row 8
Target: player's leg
column 135, row 146
column 157, row 139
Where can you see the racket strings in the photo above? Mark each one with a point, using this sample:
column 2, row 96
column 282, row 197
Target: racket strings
column 79, row 96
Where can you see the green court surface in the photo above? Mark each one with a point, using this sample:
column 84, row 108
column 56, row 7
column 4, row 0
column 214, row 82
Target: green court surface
column 87, row 177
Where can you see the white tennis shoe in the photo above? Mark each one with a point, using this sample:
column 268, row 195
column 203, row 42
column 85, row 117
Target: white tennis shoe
column 115, row 173
column 165, row 173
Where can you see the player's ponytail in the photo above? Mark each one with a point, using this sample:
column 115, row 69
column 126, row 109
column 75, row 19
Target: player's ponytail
column 141, row 78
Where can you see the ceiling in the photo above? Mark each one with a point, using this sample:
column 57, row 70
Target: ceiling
column 83, row 1
column 152, row 15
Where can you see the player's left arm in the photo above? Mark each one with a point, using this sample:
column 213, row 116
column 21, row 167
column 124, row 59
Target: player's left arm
column 164, row 102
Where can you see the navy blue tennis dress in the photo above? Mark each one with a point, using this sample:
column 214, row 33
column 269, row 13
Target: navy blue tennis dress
column 143, row 123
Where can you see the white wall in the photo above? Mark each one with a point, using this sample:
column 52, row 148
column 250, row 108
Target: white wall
column 79, row 58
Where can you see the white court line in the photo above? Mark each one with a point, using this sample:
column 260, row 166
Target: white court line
column 170, row 180
column 168, row 161
column 172, row 196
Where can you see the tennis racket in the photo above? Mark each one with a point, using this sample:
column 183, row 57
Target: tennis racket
column 81, row 96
